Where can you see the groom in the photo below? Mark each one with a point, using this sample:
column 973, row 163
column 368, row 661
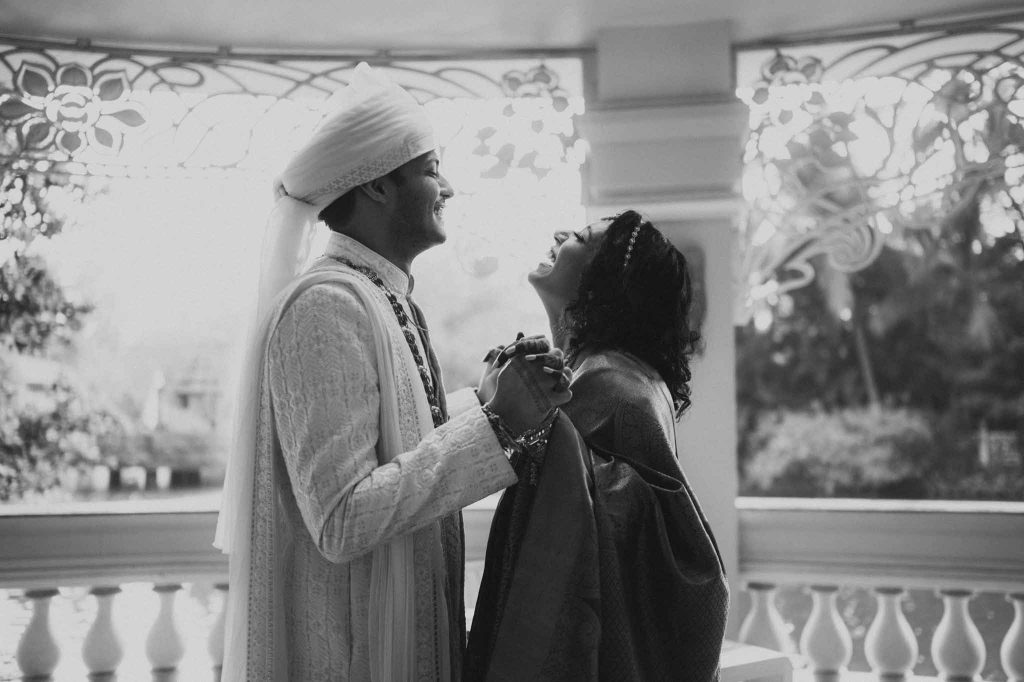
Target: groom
column 347, row 548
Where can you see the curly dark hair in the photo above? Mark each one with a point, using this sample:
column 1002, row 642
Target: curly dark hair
column 642, row 308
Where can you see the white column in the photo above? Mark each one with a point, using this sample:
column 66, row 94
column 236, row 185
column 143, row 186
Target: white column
column 826, row 641
column 38, row 653
column 890, row 645
column 1011, row 653
column 215, row 644
column 102, row 650
column 763, row 625
column 164, row 646
column 666, row 133
column 958, row 650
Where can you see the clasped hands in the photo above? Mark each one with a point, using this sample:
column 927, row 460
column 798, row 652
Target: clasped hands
column 524, row 381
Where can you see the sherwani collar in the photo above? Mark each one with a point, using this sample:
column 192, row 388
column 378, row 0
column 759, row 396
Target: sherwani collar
column 343, row 246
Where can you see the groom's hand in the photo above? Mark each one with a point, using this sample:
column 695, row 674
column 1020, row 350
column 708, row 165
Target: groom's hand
column 525, row 394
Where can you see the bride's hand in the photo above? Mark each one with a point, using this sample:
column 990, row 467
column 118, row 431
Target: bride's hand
column 498, row 356
column 553, row 363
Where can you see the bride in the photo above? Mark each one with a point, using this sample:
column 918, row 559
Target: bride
column 600, row 564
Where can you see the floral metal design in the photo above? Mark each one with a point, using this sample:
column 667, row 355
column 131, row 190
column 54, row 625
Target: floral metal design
column 539, row 81
column 70, row 108
column 104, row 111
column 852, row 146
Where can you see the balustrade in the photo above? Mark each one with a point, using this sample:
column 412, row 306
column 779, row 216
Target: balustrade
column 956, row 549
column 890, row 646
column 1011, row 653
column 102, row 649
column 890, row 550
column 39, row 653
column 825, row 642
column 129, row 559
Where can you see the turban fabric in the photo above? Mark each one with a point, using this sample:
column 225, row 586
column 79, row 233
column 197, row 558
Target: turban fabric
column 372, row 127
column 375, row 127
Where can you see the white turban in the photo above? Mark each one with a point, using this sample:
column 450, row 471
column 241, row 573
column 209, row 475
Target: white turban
column 374, row 126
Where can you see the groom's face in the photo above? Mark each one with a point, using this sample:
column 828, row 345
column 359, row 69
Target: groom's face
column 420, row 195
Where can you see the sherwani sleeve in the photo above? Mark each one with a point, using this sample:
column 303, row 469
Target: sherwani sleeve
column 461, row 401
column 326, row 400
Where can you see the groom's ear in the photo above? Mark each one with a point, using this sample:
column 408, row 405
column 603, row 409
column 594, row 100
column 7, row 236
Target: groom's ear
column 376, row 189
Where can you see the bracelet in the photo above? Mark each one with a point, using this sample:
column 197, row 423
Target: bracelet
column 528, row 443
column 505, row 438
column 533, row 438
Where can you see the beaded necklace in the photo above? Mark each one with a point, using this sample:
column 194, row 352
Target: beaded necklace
column 403, row 321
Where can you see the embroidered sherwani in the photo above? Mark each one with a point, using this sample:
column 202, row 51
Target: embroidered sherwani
column 324, row 502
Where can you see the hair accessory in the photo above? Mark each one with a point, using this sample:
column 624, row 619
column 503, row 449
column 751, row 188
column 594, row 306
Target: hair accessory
column 632, row 241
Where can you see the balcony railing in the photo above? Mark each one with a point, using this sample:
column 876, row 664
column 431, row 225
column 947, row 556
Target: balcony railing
column 956, row 548
column 102, row 546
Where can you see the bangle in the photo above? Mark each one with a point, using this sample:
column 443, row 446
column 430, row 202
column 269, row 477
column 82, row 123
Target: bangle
column 505, row 438
column 530, row 444
column 538, row 437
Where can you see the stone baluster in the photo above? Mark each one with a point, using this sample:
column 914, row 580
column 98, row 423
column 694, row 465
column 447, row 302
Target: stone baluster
column 38, row 653
column 958, row 650
column 164, row 646
column 890, row 645
column 825, row 641
column 1011, row 653
column 763, row 625
column 102, row 650
column 215, row 643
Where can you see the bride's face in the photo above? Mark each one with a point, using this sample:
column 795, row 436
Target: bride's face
column 557, row 277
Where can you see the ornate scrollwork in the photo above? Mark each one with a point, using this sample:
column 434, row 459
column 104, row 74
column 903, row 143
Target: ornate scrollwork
column 102, row 111
column 850, row 147
column 70, row 107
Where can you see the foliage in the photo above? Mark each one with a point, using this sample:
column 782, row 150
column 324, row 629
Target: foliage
column 35, row 310
column 847, row 453
column 43, row 434
column 999, row 484
column 943, row 336
column 39, row 441
column 931, row 318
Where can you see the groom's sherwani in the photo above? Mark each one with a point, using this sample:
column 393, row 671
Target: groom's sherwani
column 323, row 505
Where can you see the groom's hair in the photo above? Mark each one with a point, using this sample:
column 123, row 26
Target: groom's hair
column 339, row 212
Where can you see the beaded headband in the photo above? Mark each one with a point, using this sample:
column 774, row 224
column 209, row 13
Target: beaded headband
column 632, row 241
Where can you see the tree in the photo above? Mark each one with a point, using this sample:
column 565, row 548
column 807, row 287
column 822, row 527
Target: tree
column 40, row 439
column 35, row 310
column 935, row 322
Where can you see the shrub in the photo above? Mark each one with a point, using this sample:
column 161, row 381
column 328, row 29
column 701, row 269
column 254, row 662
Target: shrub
column 844, row 453
column 40, row 441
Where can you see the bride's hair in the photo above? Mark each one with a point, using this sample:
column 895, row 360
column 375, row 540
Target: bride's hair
column 640, row 305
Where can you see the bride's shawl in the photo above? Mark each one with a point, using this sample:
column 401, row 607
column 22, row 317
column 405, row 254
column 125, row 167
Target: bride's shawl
column 604, row 570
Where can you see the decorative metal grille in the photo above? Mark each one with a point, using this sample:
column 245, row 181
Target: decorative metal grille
column 110, row 112
column 858, row 143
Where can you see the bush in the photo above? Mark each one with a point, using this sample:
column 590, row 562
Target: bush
column 40, row 442
column 844, row 453
column 1005, row 484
